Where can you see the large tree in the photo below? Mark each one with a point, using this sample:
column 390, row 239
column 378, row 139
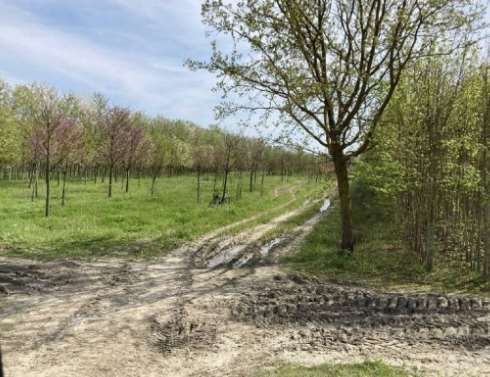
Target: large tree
column 328, row 67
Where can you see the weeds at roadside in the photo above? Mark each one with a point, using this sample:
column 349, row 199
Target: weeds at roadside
column 366, row 369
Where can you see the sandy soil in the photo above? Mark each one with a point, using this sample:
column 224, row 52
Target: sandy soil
column 222, row 307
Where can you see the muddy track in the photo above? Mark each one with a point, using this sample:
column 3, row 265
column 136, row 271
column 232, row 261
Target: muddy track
column 223, row 303
column 339, row 315
column 248, row 247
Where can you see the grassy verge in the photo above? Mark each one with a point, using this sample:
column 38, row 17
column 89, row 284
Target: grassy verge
column 366, row 369
column 134, row 224
column 380, row 259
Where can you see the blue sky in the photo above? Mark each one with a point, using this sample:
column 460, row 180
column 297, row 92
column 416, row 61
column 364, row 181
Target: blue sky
column 131, row 51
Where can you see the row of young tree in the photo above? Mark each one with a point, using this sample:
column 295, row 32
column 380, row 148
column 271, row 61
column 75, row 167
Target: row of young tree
column 432, row 161
column 44, row 134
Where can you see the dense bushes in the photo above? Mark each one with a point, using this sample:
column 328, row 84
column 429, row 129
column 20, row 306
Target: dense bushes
column 431, row 162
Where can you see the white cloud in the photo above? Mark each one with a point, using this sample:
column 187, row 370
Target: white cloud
column 151, row 81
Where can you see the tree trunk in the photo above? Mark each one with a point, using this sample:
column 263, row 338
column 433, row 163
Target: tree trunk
column 262, row 183
column 34, row 182
column 215, row 179
column 63, row 189
column 239, row 186
column 30, row 174
column 36, row 193
column 48, row 167
column 155, row 173
column 225, row 182
column 198, row 184
column 153, row 180
column 33, row 192
column 109, row 194
column 340, row 163
column 251, row 181
column 127, row 179
column 227, row 167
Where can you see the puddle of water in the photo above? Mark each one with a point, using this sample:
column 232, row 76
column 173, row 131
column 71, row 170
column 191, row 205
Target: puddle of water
column 228, row 254
column 266, row 249
column 225, row 256
column 326, row 205
column 243, row 261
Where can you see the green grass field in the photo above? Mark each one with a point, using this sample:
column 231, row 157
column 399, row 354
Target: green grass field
column 366, row 369
column 380, row 258
column 131, row 224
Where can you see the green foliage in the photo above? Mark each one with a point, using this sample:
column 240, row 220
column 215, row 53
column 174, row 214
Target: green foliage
column 10, row 136
column 10, row 139
column 380, row 172
column 430, row 160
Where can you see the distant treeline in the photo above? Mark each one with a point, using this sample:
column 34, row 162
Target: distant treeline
column 45, row 135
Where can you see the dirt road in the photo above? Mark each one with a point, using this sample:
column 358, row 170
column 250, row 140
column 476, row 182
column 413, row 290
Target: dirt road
column 222, row 307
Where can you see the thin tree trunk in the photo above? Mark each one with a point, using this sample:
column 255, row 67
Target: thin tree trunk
column 227, row 166
column 47, row 179
column 154, row 176
column 225, row 182
column 262, row 183
column 127, row 179
column 109, row 194
column 36, row 180
column 63, row 189
column 251, row 179
column 199, row 184
column 34, row 173
column 30, row 175
column 215, row 180
column 239, row 186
